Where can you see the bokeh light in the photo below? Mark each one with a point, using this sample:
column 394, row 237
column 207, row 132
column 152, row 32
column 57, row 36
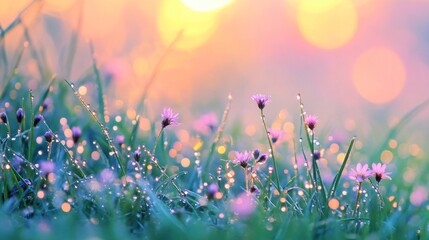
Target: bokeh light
column 327, row 24
column 379, row 75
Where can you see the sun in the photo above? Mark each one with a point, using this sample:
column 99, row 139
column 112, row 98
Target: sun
column 206, row 5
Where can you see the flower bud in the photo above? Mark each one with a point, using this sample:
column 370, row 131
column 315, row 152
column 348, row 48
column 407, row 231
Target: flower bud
column 48, row 136
column 137, row 154
column 256, row 153
column 37, row 119
column 19, row 115
column 212, row 189
column 262, row 159
column 3, row 117
column 76, row 133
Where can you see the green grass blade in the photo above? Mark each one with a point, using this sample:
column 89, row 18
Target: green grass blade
column 394, row 131
column 17, row 21
column 101, row 104
column 102, row 127
column 155, row 71
column 41, row 63
column 316, row 173
column 3, row 54
column 134, row 132
column 336, row 180
column 32, row 141
column 45, row 95
column 160, row 209
column 13, row 70
column 69, row 161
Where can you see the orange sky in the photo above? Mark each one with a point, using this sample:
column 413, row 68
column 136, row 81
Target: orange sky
column 359, row 54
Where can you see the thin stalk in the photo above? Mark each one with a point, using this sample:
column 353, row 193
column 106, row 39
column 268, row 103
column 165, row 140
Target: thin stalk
column 217, row 138
column 295, row 167
column 17, row 20
column 343, row 165
column 316, row 171
column 154, row 149
column 32, row 141
column 313, row 160
column 101, row 102
column 377, row 190
column 66, row 151
column 357, row 199
column 102, row 127
column 156, row 69
column 272, row 150
column 246, row 172
column 49, row 150
column 160, row 169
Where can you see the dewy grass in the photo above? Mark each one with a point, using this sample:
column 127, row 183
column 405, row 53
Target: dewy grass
column 102, row 127
column 67, row 183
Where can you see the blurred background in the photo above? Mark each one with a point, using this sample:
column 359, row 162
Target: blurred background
column 360, row 63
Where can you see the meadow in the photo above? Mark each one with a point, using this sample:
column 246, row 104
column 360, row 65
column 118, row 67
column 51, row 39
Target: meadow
column 74, row 166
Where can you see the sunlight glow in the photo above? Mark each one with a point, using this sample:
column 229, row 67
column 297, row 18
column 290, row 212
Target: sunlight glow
column 206, row 5
column 192, row 28
column 58, row 6
column 327, row 24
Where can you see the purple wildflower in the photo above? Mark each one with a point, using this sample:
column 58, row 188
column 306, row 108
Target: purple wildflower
column 244, row 205
column 46, row 167
column 212, row 189
column 169, row 118
column 311, row 121
column 207, row 123
column 76, row 133
column 120, row 139
column 242, row 158
column 378, row 171
column 360, row 173
column 261, row 100
column 275, row 135
column 255, row 190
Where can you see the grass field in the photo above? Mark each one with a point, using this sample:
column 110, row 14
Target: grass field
column 75, row 167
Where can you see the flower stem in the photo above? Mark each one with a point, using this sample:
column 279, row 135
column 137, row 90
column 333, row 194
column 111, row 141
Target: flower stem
column 357, row 199
column 49, row 151
column 313, row 160
column 272, row 151
column 246, row 175
column 154, row 149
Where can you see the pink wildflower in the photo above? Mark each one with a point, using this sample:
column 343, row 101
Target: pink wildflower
column 242, row 158
column 378, row 171
column 360, row 173
column 243, row 205
column 261, row 100
column 169, row 118
column 311, row 121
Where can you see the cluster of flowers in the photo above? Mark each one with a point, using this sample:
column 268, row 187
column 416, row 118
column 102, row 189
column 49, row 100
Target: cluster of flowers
column 362, row 172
